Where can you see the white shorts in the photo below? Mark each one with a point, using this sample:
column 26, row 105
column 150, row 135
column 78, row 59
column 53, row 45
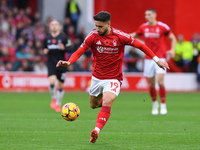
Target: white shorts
column 151, row 68
column 100, row 86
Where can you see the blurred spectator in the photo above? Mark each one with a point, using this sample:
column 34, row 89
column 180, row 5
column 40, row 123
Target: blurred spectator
column 196, row 50
column 71, row 34
column 72, row 11
column 2, row 66
column 26, row 66
column 131, row 65
column 48, row 20
column 4, row 52
column 183, row 53
column 22, row 54
column 36, row 18
column 9, row 66
column 198, row 72
column 67, row 24
column 21, row 44
column 28, row 13
column 81, row 35
column 40, row 67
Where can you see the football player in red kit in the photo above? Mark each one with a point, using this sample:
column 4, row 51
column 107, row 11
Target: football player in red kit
column 107, row 45
column 154, row 33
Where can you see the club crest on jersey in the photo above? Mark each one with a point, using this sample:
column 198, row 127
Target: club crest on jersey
column 157, row 30
column 146, row 30
column 114, row 42
column 59, row 41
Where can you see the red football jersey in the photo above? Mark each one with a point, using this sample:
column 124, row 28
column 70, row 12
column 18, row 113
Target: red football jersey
column 108, row 52
column 155, row 37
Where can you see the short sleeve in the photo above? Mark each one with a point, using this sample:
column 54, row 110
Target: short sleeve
column 166, row 29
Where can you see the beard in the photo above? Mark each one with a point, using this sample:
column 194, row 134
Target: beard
column 102, row 34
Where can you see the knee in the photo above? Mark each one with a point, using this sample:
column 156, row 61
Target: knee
column 160, row 83
column 151, row 85
column 107, row 102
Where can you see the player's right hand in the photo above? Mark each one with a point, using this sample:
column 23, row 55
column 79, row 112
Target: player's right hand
column 62, row 63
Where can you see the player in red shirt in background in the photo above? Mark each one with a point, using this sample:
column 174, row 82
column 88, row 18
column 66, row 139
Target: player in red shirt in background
column 154, row 33
column 107, row 45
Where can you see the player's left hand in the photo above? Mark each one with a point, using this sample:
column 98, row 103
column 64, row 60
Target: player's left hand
column 61, row 45
column 163, row 64
column 62, row 63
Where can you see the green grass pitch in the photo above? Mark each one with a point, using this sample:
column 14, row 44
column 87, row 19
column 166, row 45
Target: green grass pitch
column 27, row 122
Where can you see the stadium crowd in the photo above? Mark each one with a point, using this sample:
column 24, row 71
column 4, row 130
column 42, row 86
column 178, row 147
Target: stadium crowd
column 22, row 36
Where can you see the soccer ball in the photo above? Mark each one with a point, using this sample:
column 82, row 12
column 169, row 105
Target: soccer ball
column 70, row 111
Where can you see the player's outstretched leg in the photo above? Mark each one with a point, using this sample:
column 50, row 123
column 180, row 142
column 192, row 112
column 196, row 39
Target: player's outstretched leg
column 163, row 107
column 94, row 134
column 102, row 118
column 155, row 105
column 52, row 90
column 60, row 94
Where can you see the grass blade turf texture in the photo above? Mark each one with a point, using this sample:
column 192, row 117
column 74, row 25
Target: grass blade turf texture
column 28, row 122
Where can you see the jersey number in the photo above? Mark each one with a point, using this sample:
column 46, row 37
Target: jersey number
column 115, row 85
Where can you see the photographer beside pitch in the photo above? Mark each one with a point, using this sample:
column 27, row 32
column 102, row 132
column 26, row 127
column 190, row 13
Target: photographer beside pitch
column 107, row 45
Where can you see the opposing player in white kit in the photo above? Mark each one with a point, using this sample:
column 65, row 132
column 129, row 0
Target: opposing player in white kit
column 154, row 33
column 107, row 45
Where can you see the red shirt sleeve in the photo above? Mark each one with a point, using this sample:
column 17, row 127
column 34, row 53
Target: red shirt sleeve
column 84, row 46
column 75, row 56
column 143, row 48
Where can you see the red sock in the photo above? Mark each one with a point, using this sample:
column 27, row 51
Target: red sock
column 153, row 94
column 103, row 117
column 162, row 93
column 100, row 105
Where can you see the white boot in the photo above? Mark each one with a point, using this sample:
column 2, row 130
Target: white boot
column 155, row 107
column 163, row 109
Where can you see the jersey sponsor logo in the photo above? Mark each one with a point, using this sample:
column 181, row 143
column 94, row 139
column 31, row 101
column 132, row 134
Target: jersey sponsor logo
column 98, row 43
column 157, row 30
column 102, row 49
column 53, row 46
column 151, row 35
